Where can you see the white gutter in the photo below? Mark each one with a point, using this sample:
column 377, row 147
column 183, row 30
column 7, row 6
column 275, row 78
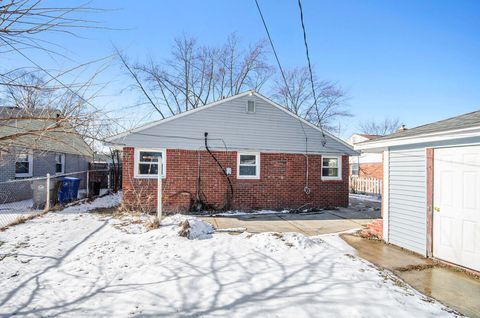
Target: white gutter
column 432, row 137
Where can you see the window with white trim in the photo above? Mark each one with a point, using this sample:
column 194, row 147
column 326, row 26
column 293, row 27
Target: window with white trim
column 146, row 163
column 331, row 168
column 23, row 164
column 59, row 163
column 248, row 166
column 250, row 106
column 354, row 169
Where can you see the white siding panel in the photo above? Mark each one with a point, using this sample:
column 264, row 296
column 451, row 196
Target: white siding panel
column 230, row 126
column 407, row 201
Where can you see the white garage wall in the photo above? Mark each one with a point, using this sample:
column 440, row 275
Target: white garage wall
column 407, row 199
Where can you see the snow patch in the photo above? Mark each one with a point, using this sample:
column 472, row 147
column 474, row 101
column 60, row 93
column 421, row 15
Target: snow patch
column 197, row 228
column 108, row 201
column 238, row 213
column 365, row 197
column 275, row 242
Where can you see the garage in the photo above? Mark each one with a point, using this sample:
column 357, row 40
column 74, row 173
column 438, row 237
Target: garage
column 431, row 201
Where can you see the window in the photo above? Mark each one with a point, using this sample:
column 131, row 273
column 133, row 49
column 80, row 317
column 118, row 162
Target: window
column 250, row 106
column 146, row 163
column 59, row 163
column 23, row 165
column 248, row 166
column 354, row 169
column 331, row 168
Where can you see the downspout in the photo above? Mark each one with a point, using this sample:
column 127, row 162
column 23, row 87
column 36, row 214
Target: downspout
column 227, row 203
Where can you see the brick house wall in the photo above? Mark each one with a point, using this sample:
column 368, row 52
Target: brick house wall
column 281, row 183
column 371, row 170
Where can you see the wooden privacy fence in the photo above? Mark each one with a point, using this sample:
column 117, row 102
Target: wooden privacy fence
column 365, row 185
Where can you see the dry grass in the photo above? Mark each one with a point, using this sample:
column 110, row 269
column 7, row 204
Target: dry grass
column 184, row 228
column 152, row 223
column 22, row 219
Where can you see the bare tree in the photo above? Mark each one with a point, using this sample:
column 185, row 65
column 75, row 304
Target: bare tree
column 43, row 105
column 384, row 127
column 196, row 75
column 297, row 96
column 28, row 90
column 22, row 20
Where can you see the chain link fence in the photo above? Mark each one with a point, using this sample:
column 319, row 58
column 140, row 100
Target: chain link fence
column 24, row 198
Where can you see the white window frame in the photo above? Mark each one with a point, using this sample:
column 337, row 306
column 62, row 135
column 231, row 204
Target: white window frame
column 337, row 178
column 30, row 164
column 257, row 165
column 62, row 161
column 254, row 107
column 136, row 162
column 351, row 170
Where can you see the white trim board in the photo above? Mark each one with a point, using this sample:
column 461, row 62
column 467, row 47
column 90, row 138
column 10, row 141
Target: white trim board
column 424, row 138
column 386, row 194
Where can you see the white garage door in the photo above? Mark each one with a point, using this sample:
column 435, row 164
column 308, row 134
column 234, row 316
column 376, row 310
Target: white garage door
column 456, row 215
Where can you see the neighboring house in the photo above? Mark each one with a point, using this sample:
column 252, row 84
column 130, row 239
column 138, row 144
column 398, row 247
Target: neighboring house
column 368, row 165
column 36, row 151
column 273, row 159
column 431, row 201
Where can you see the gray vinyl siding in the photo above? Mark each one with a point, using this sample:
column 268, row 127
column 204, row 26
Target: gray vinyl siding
column 407, row 199
column 269, row 129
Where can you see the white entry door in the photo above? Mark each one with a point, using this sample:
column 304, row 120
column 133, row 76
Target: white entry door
column 456, row 212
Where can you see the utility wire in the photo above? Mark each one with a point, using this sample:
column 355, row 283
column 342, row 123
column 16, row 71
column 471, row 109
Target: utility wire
column 274, row 51
column 319, row 116
column 306, row 189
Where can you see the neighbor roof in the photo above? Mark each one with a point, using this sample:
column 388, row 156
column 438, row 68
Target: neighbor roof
column 461, row 122
column 27, row 128
column 369, row 136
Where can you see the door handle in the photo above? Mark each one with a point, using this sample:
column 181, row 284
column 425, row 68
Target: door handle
column 436, row 209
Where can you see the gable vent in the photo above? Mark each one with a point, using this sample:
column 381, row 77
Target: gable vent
column 250, row 106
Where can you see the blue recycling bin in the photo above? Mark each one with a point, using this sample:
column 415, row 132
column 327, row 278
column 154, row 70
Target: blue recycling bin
column 68, row 191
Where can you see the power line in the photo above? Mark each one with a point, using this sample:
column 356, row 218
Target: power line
column 274, row 51
column 324, row 141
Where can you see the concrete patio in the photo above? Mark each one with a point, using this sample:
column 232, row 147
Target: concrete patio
column 450, row 286
column 358, row 214
column 323, row 222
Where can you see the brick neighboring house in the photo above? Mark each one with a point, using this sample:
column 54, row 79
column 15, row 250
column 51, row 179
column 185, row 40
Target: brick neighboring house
column 368, row 165
column 259, row 145
column 34, row 152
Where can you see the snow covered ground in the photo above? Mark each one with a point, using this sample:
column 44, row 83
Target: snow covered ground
column 9, row 212
column 365, row 197
column 78, row 264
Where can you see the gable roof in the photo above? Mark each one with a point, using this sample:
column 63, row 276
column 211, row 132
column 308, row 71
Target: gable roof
column 30, row 129
column 368, row 136
column 233, row 99
column 457, row 124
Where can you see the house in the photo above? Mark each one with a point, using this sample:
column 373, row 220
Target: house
column 28, row 149
column 431, row 201
column 242, row 152
column 366, row 165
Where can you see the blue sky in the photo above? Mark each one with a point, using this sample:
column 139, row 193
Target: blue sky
column 415, row 60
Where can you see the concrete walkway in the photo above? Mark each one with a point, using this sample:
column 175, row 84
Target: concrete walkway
column 453, row 288
column 323, row 222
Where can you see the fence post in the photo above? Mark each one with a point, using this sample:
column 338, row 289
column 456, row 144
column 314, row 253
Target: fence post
column 88, row 181
column 159, row 189
column 47, row 186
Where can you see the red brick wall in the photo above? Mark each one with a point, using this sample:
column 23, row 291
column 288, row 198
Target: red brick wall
column 371, row 170
column 281, row 183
